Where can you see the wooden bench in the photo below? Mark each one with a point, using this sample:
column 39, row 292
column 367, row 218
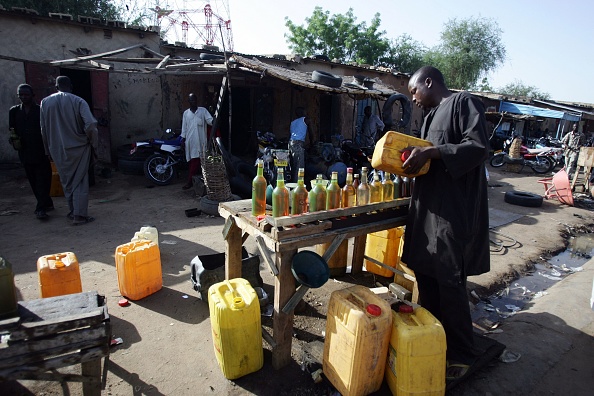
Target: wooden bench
column 56, row 332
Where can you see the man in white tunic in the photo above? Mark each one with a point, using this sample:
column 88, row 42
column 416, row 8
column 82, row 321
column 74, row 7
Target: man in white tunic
column 194, row 124
column 69, row 133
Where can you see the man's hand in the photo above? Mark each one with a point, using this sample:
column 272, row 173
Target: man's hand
column 418, row 157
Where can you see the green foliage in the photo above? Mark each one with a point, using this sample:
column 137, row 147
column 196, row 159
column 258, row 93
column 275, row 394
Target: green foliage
column 518, row 88
column 338, row 37
column 469, row 49
column 404, row 54
column 91, row 8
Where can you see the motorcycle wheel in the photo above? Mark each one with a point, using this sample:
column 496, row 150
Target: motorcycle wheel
column 497, row 160
column 155, row 169
column 542, row 165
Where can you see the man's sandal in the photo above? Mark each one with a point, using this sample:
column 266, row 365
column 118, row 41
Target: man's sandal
column 456, row 371
column 84, row 220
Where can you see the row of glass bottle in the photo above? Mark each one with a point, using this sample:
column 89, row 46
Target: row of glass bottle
column 320, row 197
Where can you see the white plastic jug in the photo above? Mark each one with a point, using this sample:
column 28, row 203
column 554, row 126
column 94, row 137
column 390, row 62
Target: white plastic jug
column 147, row 233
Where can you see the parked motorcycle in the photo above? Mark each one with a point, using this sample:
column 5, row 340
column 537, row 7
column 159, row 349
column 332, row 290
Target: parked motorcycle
column 540, row 160
column 161, row 167
column 354, row 156
column 273, row 153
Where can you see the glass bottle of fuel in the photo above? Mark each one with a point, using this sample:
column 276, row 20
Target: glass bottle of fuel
column 280, row 196
column 388, row 186
column 397, row 187
column 376, row 193
column 363, row 189
column 349, row 194
column 333, row 193
column 259, row 191
column 317, row 195
column 299, row 197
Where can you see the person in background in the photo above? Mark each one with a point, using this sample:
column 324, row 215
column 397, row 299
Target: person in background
column 194, row 123
column 24, row 118
column 370, row 127
column 447, row 229
column 69, row 133
column 571, row 144
column 299, row 132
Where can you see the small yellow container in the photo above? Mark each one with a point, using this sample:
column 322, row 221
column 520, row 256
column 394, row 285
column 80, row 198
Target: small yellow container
column 146, row 233
column 358, row 329
column 338, row 262
column 236, row 327
column 59, row 274
column 416, row 362
column 138, row 265
column 387, row 155
column 56, row 186
column 383, row 246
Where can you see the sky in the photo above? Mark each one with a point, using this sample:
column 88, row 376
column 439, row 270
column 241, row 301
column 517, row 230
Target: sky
column 548, row 42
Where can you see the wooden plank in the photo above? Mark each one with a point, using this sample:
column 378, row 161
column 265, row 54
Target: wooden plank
column 333, row 246
column 282, row 326
column 100, row 65
column 266, row 254
column 95, row 56
column 33, row 345
column 334, row 213
column 299, row 230
column 92, row 369
column 163, row 62
column 48, row 327
column 39, row 358
column 56, row 363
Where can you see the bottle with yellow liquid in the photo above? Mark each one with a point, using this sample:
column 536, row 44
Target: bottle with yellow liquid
column 333, row 193
column 259, row 192
column 349, row 194
column 388, row 187
column 363, row 193
column 299, row 197
column 376, row 193
column 280, row 196
column 317, row 195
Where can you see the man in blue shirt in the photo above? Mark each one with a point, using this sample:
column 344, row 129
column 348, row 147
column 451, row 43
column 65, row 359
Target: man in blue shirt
column 298, row 129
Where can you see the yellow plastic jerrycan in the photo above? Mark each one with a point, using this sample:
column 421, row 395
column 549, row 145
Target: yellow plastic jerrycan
column 236, row 327
column 138, row 265
column 59, row 274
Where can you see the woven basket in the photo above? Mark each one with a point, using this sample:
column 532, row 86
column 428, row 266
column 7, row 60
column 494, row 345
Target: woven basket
column 215, row 178
column 514, row 152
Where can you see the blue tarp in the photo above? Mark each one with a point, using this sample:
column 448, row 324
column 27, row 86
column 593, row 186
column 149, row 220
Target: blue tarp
column 516, row 108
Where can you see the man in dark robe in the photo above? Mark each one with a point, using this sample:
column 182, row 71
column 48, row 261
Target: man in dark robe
column 24, row 118
column 447, row 230
column 69, row 133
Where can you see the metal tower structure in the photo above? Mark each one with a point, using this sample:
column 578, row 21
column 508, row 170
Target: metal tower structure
column 176, row 23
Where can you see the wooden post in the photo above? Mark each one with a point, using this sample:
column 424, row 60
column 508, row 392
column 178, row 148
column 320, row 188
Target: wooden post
column 92, row 369
column 358, row 253
column 233, row 242
column 284, row 287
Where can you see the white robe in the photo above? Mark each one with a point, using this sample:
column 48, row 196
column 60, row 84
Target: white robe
column 194, row 131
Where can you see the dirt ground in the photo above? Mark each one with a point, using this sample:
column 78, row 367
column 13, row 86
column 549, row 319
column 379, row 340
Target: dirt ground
column 167, row 345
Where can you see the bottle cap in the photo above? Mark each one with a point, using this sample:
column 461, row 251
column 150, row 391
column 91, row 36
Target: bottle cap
column 404, row 308
column 373, row 310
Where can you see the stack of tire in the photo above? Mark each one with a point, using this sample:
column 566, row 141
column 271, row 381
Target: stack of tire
column 132, row 164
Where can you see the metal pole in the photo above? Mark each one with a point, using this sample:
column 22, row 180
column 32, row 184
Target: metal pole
column 228, row 86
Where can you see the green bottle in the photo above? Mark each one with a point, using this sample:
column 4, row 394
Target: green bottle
column 317, row 195
column 299, row 197
column 280, row 196
column 363, row 193
column 333, row 193
column 8, row 297
column 259, row 192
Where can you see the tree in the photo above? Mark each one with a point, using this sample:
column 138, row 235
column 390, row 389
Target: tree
column 518, row 88
column 91, row 8
column 338, row 37
column 404, row 54
column 469, row 49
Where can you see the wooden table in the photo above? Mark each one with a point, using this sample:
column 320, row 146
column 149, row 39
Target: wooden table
column 283, row 236
column 56, row 332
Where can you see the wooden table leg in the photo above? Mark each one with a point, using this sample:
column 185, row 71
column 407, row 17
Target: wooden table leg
column 92, row 369
column 358, row 253
column 282, row 324
column 233, row 243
